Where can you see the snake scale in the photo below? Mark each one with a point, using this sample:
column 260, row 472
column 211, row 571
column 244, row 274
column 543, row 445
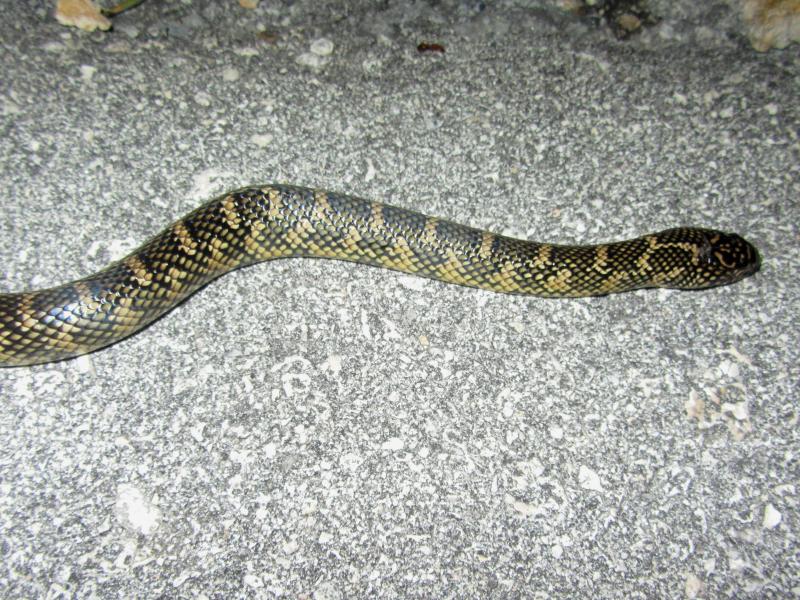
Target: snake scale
column 260, row 223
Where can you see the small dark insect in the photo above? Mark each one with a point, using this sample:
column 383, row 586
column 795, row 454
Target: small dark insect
column 428, row 47
column 267, row 37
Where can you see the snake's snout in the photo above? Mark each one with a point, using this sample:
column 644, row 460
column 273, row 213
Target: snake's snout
column 753, row 262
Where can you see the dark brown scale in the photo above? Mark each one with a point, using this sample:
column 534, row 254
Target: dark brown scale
column 275, row 221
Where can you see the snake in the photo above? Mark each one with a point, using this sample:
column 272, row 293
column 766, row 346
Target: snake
column 265, row 222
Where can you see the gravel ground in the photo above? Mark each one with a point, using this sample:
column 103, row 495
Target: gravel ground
column 312, row 429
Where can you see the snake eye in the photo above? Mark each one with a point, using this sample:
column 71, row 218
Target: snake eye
column 705, row 256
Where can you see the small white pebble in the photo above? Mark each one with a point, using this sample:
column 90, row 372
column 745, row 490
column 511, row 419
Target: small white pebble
column 393, row 444
column 333, row 364
column 135, row 512
column 729, row 368
column 245, row 52
column 693, row 587
column 370, row 175
column 87, row 72
column 521, row 507
column 202, row 99
column 412, row 283
column 588, row 479
column 197, row 432
column 771, row 517
column 270, row 450
column 738, row 411
column 710, row 565
column 309, row 59
column 84, row 364
column 230, row 74
column 322, row 47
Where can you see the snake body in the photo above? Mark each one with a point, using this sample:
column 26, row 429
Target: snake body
column 260, row 223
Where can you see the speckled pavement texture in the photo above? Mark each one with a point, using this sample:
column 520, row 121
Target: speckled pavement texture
column 312, row 429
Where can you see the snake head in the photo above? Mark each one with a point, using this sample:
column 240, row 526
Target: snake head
column 727, row 258
column 717, row 258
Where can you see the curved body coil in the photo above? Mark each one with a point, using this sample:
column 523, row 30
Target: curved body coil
column 256, row 224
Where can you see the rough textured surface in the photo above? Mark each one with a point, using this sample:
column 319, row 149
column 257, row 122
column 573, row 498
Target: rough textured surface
column 313, row 429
